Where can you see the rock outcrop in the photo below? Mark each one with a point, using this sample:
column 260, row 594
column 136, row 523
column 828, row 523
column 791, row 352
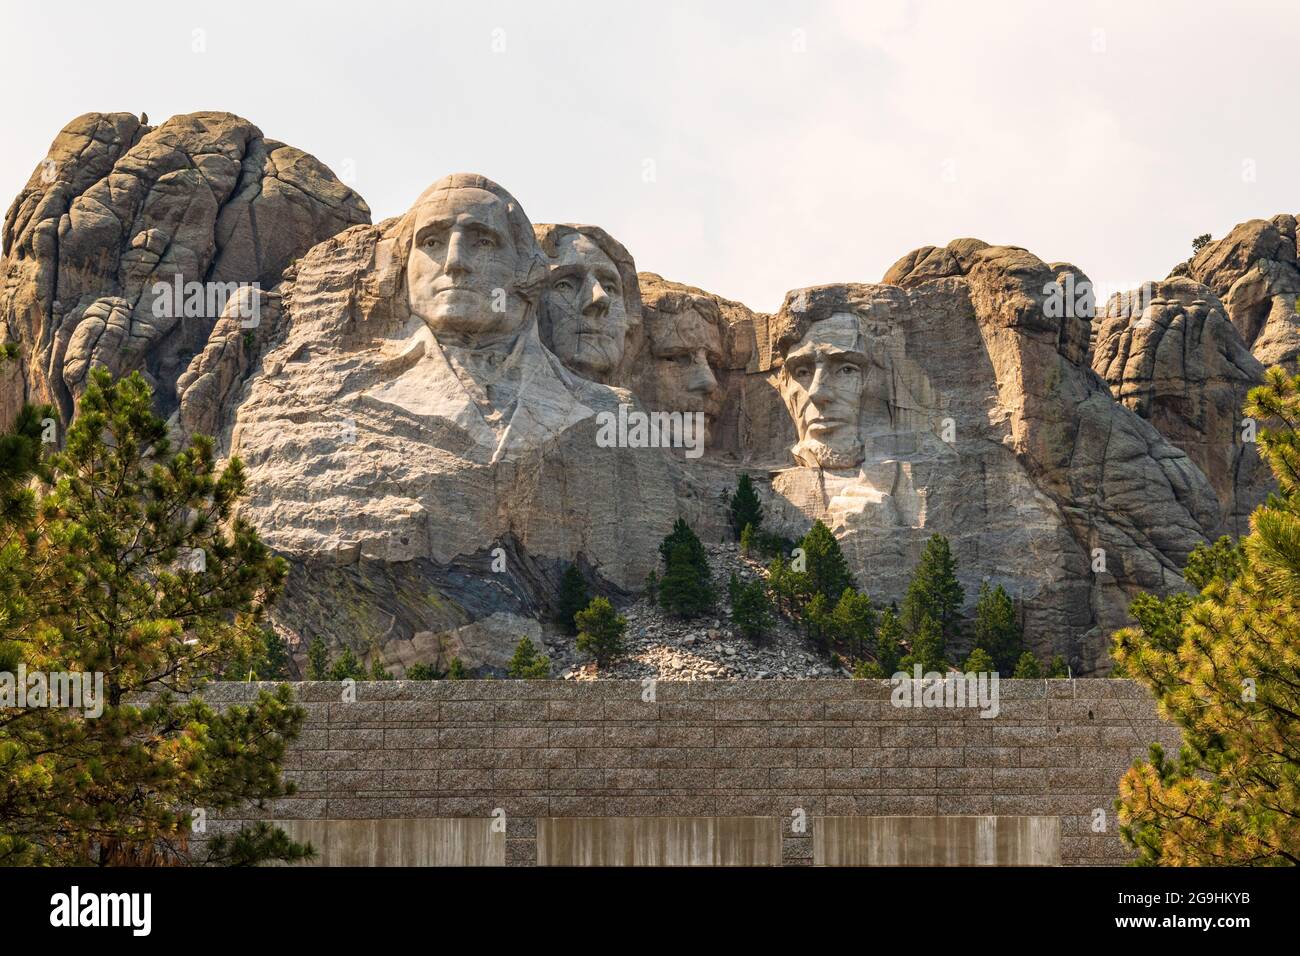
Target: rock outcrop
column 1253, row 270
column 119, row 214
column 1169, row 352
column 441, row 412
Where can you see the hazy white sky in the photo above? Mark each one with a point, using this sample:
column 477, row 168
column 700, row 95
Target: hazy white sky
column 790, row 143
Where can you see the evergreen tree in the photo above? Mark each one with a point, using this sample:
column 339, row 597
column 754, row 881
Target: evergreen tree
column 422, row 671
column 747, row 540
column 1028, row 668
column 1224, row 666
column 318, row 664
column 997, row 628
column 854, row 621
column 826, row 567
column 751, row 610
column 1058, row 667
column 377, row 669
column 686, row 588
column 746, row 510
column 934, row 591
column 889, row 641
column 927, row 648
column 275, row 656
column 780, row 585
column 457, row 670
column 573, row 598
column 817, row 623
column 979, row 662
column 527, row 664
column 600, row 631
column 124, row 560
column 347, row 667
column 867, row 670
column 652, row 587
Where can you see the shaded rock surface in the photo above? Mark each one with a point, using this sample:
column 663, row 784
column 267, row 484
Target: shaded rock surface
column 1253, row 270
column 118, row 206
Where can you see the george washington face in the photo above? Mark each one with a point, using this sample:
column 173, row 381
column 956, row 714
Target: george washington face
column 822, row 382
column 463, row 266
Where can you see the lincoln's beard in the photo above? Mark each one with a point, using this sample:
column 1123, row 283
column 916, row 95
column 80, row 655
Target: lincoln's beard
column 816, row 454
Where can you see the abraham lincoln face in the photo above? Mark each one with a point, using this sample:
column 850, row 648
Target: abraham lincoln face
column 822, row 382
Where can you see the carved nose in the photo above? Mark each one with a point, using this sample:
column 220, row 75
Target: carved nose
column 702, row 379
column 456, row 263
column 819, row 387
column 598, row 307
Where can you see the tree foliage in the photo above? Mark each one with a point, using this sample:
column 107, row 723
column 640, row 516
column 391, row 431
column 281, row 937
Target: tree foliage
column 123, row 559
column 1225, row 666
column 746, row 509
column 600, row 631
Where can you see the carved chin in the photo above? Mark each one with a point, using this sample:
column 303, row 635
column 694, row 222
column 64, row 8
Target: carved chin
column 815, row 454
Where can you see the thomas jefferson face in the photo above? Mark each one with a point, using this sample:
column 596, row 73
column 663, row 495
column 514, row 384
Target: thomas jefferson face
column 589, row 318
column 822, row 382
column 463, row 265
column 685, row 349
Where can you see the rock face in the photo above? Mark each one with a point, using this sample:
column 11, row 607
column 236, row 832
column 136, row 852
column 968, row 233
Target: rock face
column 1253, row 270
column 441, row 412
column 1169, row 352
column 971, row 412
column 404, row 420
column 119, row 210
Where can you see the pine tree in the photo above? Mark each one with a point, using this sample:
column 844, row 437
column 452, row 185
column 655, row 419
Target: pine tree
column 573, row 598
column 652, row 587
column 1225, row 666
column 686, row 588
column 746, row 510
column 997, row 628
column 347, row 667
column 318, row 665
column 927, row 648
column 1027, row 667
column 1058, row 667
column 751, row 611
column 889, row 640
column 275, row 656
column 422, row 671
column 457, row 670
column 126, row 561
column 827, row 570
column 979, row 662
column 818, row 626
column 854, row 619
column 600, row 631
column 867, row 670
column 747, row 540
column 377, row 669
column 934, row 591
column 527, row 664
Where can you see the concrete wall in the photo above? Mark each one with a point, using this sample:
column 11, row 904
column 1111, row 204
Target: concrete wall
column 794, row 751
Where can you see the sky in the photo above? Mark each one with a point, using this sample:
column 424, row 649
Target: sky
column 746, row 148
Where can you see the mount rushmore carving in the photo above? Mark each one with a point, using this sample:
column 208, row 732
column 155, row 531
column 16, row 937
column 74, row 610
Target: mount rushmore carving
column 420, row 402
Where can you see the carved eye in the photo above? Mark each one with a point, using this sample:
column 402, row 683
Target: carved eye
column 432, row 241
column 485, row 242
column 567, row 286
column 848, row 370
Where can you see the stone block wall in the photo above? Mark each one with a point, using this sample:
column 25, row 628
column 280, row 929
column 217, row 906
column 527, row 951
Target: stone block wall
column 524, row 751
